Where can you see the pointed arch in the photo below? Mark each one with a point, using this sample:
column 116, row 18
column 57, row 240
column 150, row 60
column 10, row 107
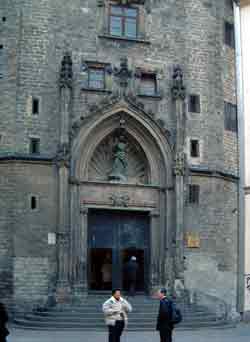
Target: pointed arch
column 145, row 131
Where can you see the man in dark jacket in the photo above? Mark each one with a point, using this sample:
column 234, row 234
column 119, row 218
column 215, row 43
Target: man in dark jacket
column 164, row 319
column 131, row 269
column 3, row 321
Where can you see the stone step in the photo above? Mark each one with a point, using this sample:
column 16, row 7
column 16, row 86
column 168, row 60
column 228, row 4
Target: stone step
column 89, row 316
column 100, row 314
column 100, row 322
column 101, row 326
column 90, row 306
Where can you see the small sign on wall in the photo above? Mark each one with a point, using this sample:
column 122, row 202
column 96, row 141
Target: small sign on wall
column 51, row 238
column 193, row 240
column 247, row 292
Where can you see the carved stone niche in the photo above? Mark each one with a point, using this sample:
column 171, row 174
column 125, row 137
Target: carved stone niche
column 101, row 163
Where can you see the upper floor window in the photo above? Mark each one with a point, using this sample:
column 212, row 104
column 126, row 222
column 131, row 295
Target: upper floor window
column 1, row 61
column 194, row 148
column 123, row 21
column 229, row 34
column 230, row 117
column 148, row 84
column 35, row 106
column 194, row 104
column 96, row 78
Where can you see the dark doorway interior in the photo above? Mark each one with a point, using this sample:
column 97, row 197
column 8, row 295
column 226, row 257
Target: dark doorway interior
column 126, row 255
column 100, row 275
column 113, row 238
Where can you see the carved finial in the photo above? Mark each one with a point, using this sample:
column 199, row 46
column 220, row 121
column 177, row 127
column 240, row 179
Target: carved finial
column 63, row 156
column 66, row 73
column 178, row 89
column 123, row 74
column 180, row 163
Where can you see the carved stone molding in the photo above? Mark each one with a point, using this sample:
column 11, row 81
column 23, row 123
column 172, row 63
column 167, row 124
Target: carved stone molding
column 63, row 156
column 62, row 238
column 178, row 89
column 66, row 72
column 130, row 2
column 84, row 210
column 119, row 200
column 180, row 164
column 154, row 214
column 110, row 101
column 123, row 74
column 74, row 181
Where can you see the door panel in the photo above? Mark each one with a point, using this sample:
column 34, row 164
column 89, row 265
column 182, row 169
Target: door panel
column 125, row 234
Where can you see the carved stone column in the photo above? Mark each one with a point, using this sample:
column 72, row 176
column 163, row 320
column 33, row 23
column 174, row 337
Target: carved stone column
column 80, row 254
column 63, row 164
column 178, row 94
column 63, row 289
column 155, row 237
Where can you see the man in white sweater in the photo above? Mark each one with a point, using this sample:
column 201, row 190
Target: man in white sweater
column 116, row 311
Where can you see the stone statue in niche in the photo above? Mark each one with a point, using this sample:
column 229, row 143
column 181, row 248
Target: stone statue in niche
column 120, row 164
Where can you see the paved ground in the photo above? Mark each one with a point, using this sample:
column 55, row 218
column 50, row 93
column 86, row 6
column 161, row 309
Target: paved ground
column 239, row 334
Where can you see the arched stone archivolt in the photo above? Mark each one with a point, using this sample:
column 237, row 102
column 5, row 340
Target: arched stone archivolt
column 145, row 135
column 147, row 190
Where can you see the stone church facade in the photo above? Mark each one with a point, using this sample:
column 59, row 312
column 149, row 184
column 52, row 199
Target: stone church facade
column 118, row 138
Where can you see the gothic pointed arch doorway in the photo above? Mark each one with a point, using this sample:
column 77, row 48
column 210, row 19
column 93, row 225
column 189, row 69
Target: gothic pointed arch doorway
column 122, row 188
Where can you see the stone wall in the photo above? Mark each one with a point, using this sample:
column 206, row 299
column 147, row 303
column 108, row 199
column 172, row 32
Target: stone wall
column 212, row 268
column 36, row 34
column 27, row 262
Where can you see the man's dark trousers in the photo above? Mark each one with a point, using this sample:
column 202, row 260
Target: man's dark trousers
column 115, row 331
column 166, row 335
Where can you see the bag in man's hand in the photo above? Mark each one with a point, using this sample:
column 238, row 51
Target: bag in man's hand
column 176, row 315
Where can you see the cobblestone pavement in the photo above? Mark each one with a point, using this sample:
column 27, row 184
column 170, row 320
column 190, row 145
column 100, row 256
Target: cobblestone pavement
column 239, row 334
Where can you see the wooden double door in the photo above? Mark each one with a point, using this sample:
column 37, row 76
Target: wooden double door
column 113, row 238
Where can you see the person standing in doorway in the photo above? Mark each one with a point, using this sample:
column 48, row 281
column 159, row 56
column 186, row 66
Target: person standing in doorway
column 116, row 311
column 3, row 321
column 130, row 270
column 164, row 319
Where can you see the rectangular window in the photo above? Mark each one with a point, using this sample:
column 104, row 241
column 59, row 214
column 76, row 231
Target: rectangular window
column 35, row 106
column 123, row 21
column 194, row 193
column 230, row 117
column 194, row 104
column 148, row 85
column 229, row 34
column 1, row 61
column 33, row 202
column 194, row 148
column 34, row 145
column 96, row 78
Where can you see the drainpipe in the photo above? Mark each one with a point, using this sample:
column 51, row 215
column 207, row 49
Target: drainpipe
column 241, row 148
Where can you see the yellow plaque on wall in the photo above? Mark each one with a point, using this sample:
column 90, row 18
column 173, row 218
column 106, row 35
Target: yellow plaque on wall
column 193, row 240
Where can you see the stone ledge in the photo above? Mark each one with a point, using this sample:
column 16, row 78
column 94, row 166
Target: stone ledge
column 92, row 90
column 153, row 97
column 132, row 40
column 25, row 157
column 199, row 170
